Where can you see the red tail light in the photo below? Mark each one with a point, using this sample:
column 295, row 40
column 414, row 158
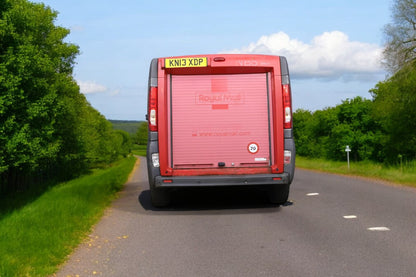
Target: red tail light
column 287, row 106
column 152, row 109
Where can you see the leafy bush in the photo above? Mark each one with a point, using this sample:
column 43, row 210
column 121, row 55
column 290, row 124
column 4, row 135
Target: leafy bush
column 47, row 127
column 326, row 133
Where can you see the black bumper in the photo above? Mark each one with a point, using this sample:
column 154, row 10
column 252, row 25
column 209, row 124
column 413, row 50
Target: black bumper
column 226, row 180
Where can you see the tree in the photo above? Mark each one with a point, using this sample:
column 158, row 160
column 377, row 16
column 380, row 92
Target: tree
column 301, row 132
column 357, row 128
column 47, row 127
column 394, row 107
column 326, row 133
column 395, row 98
column 141, row 134
column 401, row 35
column 123, row 142
column 34, row 59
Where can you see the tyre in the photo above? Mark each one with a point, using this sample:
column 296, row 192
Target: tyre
column 278, row 194
column 159, row 197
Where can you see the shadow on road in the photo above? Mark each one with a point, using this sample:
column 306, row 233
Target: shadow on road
column 232, row 200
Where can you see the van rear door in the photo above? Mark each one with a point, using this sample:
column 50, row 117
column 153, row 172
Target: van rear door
column 220, row 120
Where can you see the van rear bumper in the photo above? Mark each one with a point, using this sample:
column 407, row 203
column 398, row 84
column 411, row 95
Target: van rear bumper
column 225, row 180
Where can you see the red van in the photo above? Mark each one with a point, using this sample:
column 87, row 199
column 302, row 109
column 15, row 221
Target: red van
column 220, row 120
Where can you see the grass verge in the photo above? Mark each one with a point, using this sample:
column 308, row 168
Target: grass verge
column 37, row 238
column 405, row 174
column 139, row 150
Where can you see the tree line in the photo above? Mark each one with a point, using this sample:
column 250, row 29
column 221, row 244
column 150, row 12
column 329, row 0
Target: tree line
column 326, row 133
column 382, row 129
column 48, row 130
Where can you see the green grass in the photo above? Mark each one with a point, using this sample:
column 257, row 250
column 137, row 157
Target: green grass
column 37, row 238
column 139, row 150
column 405, row 175
column 130, row 127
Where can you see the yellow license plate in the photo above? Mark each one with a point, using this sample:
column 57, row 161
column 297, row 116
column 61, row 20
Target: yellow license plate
column 186, row 62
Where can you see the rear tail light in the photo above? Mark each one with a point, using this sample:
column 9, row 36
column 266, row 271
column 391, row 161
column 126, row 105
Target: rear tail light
column 287, row 157
column 152, row 112
column 287, row 106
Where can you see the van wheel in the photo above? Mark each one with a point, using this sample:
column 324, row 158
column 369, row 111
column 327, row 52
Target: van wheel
column 278, row 194
column 159, row 197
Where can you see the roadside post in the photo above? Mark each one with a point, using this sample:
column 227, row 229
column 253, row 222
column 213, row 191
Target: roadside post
column 400, row 156
column 348, row 150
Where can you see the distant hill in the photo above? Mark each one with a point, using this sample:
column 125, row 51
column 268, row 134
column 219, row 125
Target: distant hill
column 130, row 126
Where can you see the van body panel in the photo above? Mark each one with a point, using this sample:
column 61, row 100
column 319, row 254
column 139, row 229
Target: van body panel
column 220, row 120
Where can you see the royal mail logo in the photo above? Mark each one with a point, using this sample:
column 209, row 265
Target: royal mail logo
column 219, row 98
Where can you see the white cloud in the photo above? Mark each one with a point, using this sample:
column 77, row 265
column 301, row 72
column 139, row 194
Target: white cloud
column 330, row 55
column 90, row 87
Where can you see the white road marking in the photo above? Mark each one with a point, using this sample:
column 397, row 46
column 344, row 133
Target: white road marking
column 312, row 194
column 380, row 229
column 350, row 216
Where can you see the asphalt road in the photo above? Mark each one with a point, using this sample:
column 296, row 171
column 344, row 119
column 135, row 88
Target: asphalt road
column 337, row 226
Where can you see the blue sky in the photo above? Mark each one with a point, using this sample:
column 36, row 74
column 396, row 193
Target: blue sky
column 333, row 47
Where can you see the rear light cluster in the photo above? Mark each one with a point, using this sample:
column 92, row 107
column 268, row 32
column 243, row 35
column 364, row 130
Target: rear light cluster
column 152, row 109
column 287, row 124
column 287, row 157
column 287, row 106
